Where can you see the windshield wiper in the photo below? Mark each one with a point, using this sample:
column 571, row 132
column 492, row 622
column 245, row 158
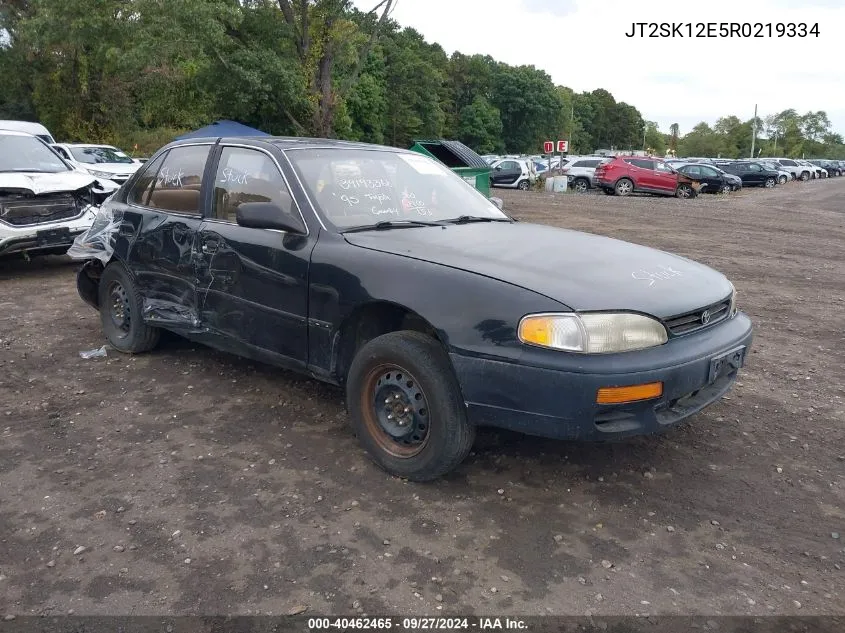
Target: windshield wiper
column 466, row 219
column 391, row 224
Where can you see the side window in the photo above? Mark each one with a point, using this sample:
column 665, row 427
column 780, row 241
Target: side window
column 143, row 187
column 789, row 163
column 754, row 167
column 247, row 175
column 709, row 172
column 661, row 166
column 693, row 170
column 177, row 184
column 644, row 164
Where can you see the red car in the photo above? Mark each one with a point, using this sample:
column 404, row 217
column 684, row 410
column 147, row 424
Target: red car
column 624, row 175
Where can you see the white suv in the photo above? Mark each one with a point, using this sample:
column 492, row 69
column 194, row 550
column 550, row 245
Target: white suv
column 798, row 171
column 44, row 202
column 580, row 171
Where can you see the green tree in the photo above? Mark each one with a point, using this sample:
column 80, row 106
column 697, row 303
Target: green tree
column 481, row 126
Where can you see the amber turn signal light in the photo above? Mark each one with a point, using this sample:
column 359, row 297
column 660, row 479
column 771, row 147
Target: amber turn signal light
column 633, row 393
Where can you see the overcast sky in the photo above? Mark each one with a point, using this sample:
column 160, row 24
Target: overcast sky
column 582, row 44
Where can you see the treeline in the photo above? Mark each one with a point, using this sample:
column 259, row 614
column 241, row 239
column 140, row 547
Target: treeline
column 141, row 71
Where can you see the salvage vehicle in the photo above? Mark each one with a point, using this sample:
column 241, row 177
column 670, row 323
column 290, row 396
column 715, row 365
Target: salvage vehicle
column 102, row 161
column 712, row 179
column 380, row 270
column 624, row 175
column 44, row 202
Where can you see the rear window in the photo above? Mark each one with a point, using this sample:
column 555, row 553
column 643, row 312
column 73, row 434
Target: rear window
column 587, row 163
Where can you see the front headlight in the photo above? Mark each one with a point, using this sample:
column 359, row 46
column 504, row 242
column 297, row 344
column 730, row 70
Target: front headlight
column 592, row 333
column 100, row 174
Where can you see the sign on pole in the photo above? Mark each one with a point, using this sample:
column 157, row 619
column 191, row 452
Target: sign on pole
column 548, row 147
column 563, row 146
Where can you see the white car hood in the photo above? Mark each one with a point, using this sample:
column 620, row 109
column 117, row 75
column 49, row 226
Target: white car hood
column 113, row 168
column 38, row 183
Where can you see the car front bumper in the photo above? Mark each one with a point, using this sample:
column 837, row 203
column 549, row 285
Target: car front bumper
column 49, row 236
column 561, row 403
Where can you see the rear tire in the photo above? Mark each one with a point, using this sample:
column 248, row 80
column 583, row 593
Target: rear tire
column 684, row 191
column 121, row 309
column 805, row 176
column 406, row 407
column 523, row 185
column 580, row 185
column 624, row 187
column 782, row 179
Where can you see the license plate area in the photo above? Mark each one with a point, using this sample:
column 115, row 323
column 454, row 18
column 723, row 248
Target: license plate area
column 726, row 363
column 50, row 237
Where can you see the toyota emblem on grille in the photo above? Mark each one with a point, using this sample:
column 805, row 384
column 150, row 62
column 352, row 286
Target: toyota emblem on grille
column 705, row 317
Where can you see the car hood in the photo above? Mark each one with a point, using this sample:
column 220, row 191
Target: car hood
column 582, row 271
column 112, row 168
column 39, row 183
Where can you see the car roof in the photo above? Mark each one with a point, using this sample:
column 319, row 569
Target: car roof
column 85, row 144
column 15, row 133
column 288, row 142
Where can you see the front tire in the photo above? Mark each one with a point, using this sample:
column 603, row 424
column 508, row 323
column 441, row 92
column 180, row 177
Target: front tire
column 782, row 180
column 406, row 406
column 770, row 182
column 121, row 312
column 727, row 189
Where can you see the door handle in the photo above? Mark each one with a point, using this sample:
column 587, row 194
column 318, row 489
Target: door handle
column 210, row 246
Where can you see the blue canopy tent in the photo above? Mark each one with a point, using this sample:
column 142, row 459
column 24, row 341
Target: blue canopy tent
column 223, row 128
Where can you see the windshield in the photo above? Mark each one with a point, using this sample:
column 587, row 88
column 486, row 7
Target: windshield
column 27, row 153
column 93, row 155
column 360, row 187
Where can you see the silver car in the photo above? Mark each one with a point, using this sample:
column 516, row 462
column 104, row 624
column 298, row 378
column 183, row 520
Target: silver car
column 580, row 172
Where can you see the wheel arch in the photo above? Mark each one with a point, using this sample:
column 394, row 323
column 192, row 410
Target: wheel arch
column 368, row 321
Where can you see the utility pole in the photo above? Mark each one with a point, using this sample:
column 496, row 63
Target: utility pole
column 571, row 122
column 645, row 128
column 753, row 130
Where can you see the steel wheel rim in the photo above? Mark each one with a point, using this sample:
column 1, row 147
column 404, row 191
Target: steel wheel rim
column 119, row 309
column 726, row 189
column 396, row 411
column 782, row 179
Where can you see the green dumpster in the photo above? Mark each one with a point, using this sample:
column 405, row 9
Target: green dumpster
column 460, row 159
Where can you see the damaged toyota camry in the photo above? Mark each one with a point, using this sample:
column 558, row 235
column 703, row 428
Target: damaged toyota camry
column 382, row 271
column 44, row 202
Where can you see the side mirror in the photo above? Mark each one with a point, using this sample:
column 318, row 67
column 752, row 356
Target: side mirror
column 498, row 202
column 267, row 215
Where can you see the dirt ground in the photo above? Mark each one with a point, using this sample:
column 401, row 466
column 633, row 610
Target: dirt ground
column 201, row 483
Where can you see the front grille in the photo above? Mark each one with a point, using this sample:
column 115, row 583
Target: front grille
column 696, row 320
column 26, row 211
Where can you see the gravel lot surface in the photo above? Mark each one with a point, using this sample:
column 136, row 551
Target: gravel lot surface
column 189, row 481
